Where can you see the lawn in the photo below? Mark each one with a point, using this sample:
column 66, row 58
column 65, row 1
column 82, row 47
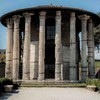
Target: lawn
column 97, row 64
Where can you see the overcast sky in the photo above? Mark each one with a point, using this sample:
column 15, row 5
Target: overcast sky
column 10, row 5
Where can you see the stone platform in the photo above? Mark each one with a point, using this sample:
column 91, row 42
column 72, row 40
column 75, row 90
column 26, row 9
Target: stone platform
column 50, row 83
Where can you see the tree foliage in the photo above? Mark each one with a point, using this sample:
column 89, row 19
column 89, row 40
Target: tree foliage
column 2, row 58
column 97, row 35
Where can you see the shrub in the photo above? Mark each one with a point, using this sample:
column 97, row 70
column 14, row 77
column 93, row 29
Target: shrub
column 5, row 81
column 91, row 81
column 98, row 85
column 95, row 82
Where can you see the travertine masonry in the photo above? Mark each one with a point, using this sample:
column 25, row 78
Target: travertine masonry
column 58, row 47
column 26, row 52
column 9, row 48
column 16, row 47
column 46, row 45
column 91, row 70
column 41, row 46
column 84, row 19
column 34, row 47
column 72, row 47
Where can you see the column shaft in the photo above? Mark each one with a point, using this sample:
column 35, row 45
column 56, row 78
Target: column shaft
column 91, row 65
column 41, row 46
column 34, row 47
column 16, row 47
column 26, row 51
column 73, row 70
column 9, row 48
column 58, row 47
column 84, row 19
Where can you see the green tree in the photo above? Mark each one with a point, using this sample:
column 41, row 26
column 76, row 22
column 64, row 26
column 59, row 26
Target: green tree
column 97, row 35
column 2, row 58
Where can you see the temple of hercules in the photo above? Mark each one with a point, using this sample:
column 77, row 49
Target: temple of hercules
column 43, row 43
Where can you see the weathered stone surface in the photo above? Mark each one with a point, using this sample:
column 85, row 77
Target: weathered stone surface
column 84, row 19
column 16, row 47
column 34, row 60
column 65, row 30
column 92, row 87
column 65, row 54
column 58, row 47
column 26, row 51
column 9, row 48
column 41, row 46
column 72, row 47
column 34, row 31
column 66, row 69
column 65, row 63
column 91, row 69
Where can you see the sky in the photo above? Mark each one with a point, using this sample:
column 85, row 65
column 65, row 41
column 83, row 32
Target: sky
column 10, row 5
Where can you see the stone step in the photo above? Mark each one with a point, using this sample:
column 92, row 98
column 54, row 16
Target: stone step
column 51, row 84
column 62, row 86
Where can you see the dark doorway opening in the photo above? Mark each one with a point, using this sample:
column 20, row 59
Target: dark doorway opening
column 50, row 49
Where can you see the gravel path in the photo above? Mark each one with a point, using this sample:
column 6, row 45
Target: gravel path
column 52, row 94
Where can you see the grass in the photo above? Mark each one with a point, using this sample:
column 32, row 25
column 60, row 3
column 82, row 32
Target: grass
column 95, row 82
column 97, row 64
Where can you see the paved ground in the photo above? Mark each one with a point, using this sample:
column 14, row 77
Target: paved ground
column 52, row 94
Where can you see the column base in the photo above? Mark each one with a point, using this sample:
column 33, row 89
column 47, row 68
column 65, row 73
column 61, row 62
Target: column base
column 41, row 77
column 58, row 72
column 57, row 76
column 26, row 77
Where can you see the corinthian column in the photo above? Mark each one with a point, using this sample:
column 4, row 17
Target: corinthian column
column 91, row 68
column 26, row 51
column 58, row 47
column 16, row 19
column 41, row 46
column 73, row 70
column 9, row 48
column 84, row 19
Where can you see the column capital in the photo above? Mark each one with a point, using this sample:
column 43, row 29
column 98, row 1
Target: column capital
column 28, row 16
column 9, row 22
column 42, row 15
column 72, row 16
column 16, row 18
column 90, row 20
column 84, row 17
column 58, row 15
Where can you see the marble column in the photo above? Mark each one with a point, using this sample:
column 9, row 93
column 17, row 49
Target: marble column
column 26, row 50
column 91, row 68
column 58, row 47
column 34, row 47
column 41, row 66
column 84, row 19
column 73, row 67
column 16, row 19
column 9, row 48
